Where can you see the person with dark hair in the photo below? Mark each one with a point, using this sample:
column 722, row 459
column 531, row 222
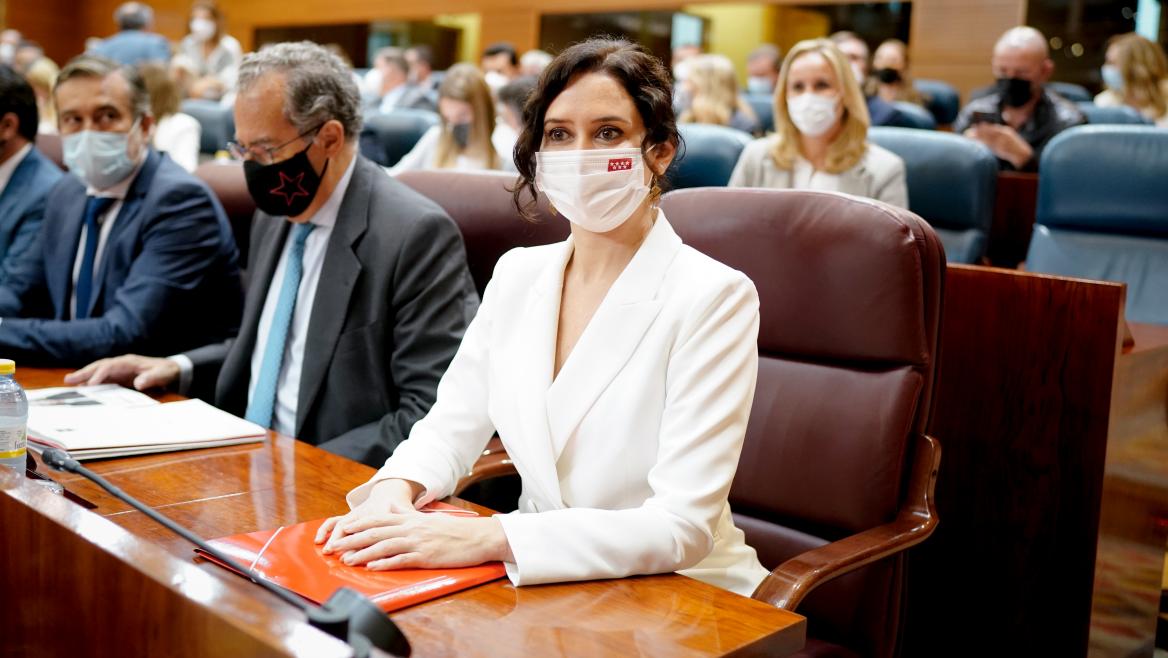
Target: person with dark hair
column 134, row 254
column 214, row 54
column 618, row 367
column 420, row 60
column 512, row 97
column 880, row 111
column 358, row 290
column 134, row 43
column 394, row 90
column 500, row 65
column 762, row 69
column 26, row 176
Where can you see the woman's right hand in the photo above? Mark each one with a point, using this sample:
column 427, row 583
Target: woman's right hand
column 388, row 496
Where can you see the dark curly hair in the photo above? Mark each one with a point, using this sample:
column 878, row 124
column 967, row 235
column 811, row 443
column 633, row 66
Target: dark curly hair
column 643, row 76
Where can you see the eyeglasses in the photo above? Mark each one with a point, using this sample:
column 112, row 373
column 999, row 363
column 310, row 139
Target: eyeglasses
column 266, row 155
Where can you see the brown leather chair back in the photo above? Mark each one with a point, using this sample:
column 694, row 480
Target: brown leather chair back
column 50, row 146
column 850, row 293
column 480, row 203
column 226, row 180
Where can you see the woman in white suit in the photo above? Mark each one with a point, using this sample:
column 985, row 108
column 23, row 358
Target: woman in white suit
column 618, row 367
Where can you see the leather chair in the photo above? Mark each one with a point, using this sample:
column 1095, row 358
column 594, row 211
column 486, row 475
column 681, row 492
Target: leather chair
column 385, row 138
column 226, row 180
column 941, row 99
column 480, row 203
column 217, row 122
column 1120, row 115
column 1070, row 91
column 50, row 146
column 708, row 155
column 1103, row 213
column 764, row 108
column 951, row 184
column 914, row 116
column 836, row 476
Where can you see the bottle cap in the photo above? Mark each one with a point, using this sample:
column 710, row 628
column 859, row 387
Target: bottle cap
column 7, row 367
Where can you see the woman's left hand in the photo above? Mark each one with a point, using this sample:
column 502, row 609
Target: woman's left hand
column 422, row 541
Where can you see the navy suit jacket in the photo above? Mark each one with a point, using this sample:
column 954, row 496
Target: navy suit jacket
column 132, row 47
column 22, row 207
column 168, row 279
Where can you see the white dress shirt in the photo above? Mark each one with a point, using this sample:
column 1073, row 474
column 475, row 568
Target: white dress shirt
column 9, row 166
column 106, row 222
column 288, row 386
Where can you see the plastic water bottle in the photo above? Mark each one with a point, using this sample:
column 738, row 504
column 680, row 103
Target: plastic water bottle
column 13, row 418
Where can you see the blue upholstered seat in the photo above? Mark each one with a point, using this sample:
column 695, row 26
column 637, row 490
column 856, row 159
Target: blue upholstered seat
column 1070, row 91
column 385, row 138
column 915, row 116
column 941, row 99
column 708, row 157
column 1103, row 212
column 217, row 123
column 764, row 108
column 951, row 184
column 1112, row 115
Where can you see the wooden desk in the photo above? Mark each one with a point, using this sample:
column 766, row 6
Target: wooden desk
column 180, row 608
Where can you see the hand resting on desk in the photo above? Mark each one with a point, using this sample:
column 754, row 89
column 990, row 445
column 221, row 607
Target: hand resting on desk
column 386, row 532
column 141, row 372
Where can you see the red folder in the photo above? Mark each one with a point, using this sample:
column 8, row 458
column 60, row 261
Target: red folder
column 288, row 557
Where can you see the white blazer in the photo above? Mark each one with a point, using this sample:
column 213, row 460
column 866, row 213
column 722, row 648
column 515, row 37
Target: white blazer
column 626, row 458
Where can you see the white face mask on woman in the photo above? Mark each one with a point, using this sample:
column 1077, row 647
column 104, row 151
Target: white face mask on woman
column 813, row 114
column 596, row 189
column 202, row 29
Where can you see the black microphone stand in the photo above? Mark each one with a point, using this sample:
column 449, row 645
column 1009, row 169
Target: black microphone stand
column 346, row 615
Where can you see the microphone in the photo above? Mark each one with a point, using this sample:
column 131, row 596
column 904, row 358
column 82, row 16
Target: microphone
column 346, row 615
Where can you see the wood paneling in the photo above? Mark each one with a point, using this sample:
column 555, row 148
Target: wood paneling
column 1022, row 412
column 40, row 21
column 953, row 39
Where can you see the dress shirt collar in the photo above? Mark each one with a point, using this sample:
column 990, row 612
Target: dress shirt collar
column 9, row 166
column 326, row 216
column 120, row 190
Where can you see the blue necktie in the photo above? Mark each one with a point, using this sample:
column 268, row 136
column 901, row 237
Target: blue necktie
column 95, row 206
column 263, row 398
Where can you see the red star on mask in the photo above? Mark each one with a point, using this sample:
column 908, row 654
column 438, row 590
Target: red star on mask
column 285, row 190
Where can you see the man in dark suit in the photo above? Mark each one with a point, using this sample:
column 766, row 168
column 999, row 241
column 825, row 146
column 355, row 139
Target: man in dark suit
column 359, row 290
column 26, row 176
column 134, row 43
column 134, row 252
column 393, row 89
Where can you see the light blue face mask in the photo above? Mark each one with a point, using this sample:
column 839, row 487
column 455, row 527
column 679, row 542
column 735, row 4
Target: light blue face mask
column 759, row 85
column 1112, row 77
column 99, row 158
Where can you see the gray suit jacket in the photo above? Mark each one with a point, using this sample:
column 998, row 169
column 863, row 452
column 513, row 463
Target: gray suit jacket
column 393, row 301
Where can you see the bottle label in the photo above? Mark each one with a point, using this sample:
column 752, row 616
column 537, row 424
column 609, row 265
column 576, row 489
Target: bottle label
column 13, row 442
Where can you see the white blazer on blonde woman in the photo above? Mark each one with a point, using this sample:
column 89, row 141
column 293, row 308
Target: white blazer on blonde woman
column 626, row 458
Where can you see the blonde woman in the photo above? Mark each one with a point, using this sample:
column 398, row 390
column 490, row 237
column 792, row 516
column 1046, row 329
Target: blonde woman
column 713, row 90
column 41, row 76
column 1136, row 74
column 890, row 79
column 466, row 138
column 821, row 138
column 175, row 133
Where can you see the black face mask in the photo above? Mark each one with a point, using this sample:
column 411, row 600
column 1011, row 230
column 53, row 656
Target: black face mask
column 888, row 76
column 1014, row 92
column 461, row 134
column 283, row 189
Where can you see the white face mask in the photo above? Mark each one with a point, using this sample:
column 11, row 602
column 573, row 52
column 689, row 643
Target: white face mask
column 757, row 84
column 99, row 158
column 813, row 114
column 495, row 81
column 597, row 189
column 7, row 52
column 202, row 28
column 1112, row 77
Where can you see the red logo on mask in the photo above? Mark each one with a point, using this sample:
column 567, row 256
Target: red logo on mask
column 620, row 164
column 286, row 190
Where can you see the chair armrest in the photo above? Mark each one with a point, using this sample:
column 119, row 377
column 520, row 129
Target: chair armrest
column 493, row 463
column 794, row 579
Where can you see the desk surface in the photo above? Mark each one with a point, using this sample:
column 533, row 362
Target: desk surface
column 222, row 491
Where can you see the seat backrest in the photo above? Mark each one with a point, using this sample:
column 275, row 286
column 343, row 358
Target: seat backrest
column 707, row 157
column 1070, row 91
column 480, row 203
column 915, row 116
column 50, row 146
column 764, row 108
column 385, row 138
column 217, row 122
column 951, row 184
column 941, row 99
column 1103, row 212
column 850, row 293
column 226, row 180
column 1119, row 115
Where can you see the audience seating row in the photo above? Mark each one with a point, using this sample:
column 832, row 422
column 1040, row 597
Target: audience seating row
column 217, row 122
column 387, row 137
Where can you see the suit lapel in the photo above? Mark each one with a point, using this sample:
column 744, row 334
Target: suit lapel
column 61, row 253
column 533, row 360
column 338, row 277
column 18, row 182
column 612, row 335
